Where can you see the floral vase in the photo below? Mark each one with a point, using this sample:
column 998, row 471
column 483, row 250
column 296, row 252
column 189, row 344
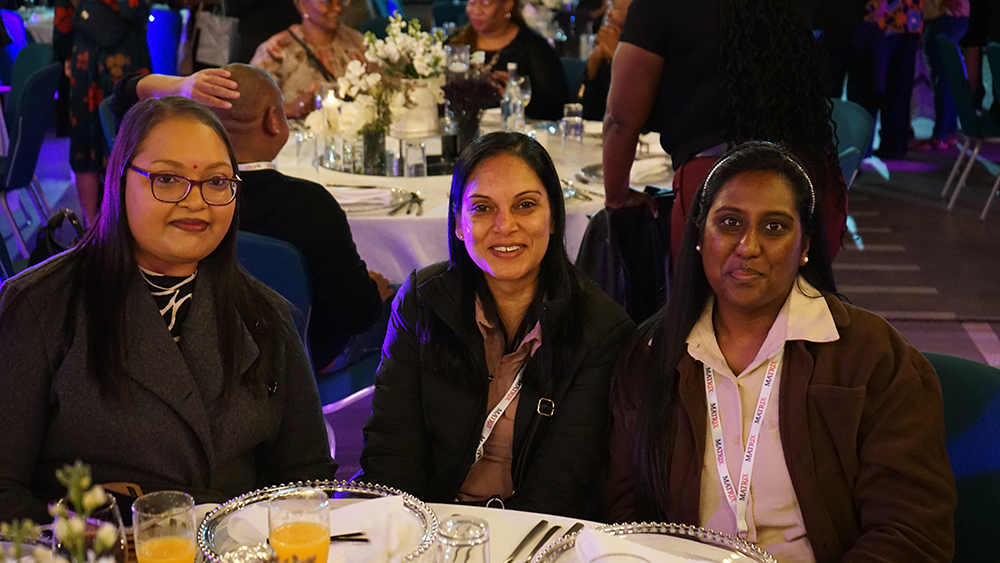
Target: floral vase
column 468, row 131
column 416, row 108
column 374, row 148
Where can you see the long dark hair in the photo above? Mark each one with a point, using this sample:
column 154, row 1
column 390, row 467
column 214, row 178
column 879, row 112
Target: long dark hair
column 108, row 264
column 774, row 77
column 556, row 270
column 689, row 292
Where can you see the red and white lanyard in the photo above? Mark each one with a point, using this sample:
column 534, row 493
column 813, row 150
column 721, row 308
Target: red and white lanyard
column 250, row 166
column 738, row 493
column 497, row 412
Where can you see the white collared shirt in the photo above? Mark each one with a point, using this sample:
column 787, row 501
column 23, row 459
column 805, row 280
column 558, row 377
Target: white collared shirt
column 773, row 514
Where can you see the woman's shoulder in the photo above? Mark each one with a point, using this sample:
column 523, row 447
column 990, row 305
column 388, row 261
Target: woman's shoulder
column 47, row 280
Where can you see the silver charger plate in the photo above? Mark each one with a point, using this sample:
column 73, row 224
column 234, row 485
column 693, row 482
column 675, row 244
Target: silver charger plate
column 681, row 540
column 337, row 490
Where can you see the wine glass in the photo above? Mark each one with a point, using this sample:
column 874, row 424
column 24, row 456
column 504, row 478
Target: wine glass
column 524, row 83
column 298, row 522
column 163, row 523
column 107, row 513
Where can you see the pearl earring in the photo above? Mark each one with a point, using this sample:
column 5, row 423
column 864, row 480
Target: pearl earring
column 698, row 248
column 805, row 260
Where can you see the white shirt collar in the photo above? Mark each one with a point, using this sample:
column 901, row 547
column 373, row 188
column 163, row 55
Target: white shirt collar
column 805, row 315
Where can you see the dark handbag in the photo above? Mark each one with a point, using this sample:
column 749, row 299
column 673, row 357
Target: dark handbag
column 46, row 245
column 99, row 23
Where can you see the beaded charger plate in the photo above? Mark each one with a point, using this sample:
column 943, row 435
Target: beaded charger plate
column 691, row 542
column 216, row 546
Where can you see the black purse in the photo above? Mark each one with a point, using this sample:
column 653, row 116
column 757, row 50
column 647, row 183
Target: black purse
column 46, row 245
column 99, row 23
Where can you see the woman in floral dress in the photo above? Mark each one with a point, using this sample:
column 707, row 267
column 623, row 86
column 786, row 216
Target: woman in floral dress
column 92, row 71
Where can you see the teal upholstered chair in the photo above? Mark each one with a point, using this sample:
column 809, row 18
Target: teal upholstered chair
column 854, row 129
column 976, row 125
column 972, row 430
column 6, row 268
column 279, row 265
column 107, row 118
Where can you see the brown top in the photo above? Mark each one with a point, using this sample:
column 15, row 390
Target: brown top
column 491, row 476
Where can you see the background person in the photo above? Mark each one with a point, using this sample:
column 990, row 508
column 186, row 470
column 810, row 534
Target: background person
column 145, row 351
column 317, row 50
column 597, row 77
column 347, row 297
column 848, row 461
column 498, row 28
column 93, row 67
column 510, row 328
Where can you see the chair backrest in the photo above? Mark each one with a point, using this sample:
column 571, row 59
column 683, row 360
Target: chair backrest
column 449, row 11
column 163, row 34
column 14, row 25
column 6, row 268
column 958, row 81
column 279, row 265
column 993, row 57
column 27, row 129
column 31, row 59
column 107, row 122
column 971, row 393
column 854, row 129
column 573, row 69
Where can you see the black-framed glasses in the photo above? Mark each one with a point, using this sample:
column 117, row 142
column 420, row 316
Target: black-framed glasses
column 171, row 188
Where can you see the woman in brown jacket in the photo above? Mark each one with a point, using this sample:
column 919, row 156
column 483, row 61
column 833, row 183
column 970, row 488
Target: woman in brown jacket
column 759, row 405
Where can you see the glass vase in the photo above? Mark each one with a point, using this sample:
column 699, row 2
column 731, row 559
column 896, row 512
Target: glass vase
column 467, row 131
column 374, row 157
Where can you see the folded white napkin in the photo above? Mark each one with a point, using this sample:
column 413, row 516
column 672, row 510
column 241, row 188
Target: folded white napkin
column 591, row 544
column 392, row 531
column 347, row 196
column 646, row 168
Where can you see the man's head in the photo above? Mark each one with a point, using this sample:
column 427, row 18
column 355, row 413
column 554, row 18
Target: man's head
column 256, row 123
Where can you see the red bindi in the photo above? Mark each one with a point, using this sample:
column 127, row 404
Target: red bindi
column 195, row 166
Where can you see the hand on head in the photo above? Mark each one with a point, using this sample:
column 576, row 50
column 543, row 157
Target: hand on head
column 211, row 87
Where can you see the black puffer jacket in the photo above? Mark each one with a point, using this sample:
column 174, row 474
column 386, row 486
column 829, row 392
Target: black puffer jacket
column 426, row 421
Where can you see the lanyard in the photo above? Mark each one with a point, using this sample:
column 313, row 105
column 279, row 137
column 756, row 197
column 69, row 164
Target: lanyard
column 497, row 412
column 737, row 494
column 249, row 166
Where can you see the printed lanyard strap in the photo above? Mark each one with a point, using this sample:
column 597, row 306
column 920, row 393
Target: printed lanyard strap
column 497, row 412
column 738, row 493
column 250, row 166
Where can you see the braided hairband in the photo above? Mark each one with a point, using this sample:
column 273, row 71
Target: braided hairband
column 812, row 191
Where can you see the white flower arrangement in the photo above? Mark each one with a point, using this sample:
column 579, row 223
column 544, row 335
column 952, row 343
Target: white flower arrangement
column 407, row 51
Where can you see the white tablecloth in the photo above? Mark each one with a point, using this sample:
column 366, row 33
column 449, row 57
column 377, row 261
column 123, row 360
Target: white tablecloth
column 395, row 246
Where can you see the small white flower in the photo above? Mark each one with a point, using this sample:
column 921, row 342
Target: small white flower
column 62, row 528
column 94, row 499
column 76, row 526
column 478, row 58
column 42, row 555
column 106, row 537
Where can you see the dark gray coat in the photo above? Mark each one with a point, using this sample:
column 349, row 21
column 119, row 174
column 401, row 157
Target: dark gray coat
column 426, row 423
column 175, row 432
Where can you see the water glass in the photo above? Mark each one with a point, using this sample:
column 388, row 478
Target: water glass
column 163, row 524
column 463, row 539
column 572, row 122
column 298, row 522
column 415, row 157
column 457, row 59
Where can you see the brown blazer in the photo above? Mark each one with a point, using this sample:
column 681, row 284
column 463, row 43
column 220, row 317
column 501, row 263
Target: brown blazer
column 862, row 429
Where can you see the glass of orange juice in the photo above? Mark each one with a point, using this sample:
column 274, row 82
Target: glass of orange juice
column 163, row 524
column 299, row 525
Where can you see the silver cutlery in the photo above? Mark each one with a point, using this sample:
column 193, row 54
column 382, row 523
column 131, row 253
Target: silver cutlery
column 541, row 542
column 527, row 539
column 573, row 529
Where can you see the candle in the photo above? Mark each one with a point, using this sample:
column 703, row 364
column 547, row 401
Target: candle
column 331, row 111
column 458, row 67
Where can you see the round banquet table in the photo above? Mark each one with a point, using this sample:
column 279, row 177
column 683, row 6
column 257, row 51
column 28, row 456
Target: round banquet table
column 396, row 245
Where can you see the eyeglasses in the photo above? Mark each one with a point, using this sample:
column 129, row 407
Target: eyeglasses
column 171, row 188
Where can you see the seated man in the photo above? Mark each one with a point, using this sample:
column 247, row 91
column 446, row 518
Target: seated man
column 347, row 297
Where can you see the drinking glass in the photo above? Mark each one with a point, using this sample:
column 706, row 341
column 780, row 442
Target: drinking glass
column 107, row 513
column 457, row 59
column 298, row 521
column 525, row 83
column 415, row 158
column 463, row 539
column 163, row 523
column 572, row 122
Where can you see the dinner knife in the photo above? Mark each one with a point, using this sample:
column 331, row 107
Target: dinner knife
column 573, row 529
column 541, row 542
column 527, row 539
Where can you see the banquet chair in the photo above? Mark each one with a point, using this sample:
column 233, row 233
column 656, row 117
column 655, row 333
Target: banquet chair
column 6, row 267
column 453, row 11
column 976, row 125
column 993, row 58
column 32, row 58
column 107, row 117
column 279, row 265
column 971, row 393
column 14, row 25
column 27, row 130
column 854, row 129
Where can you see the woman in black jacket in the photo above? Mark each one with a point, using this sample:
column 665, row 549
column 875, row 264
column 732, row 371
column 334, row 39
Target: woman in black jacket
column 497, row 364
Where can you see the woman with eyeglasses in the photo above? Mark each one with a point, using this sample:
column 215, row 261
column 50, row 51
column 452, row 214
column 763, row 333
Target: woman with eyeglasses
column 317, row 50
column 146, row 351
column 498, row 28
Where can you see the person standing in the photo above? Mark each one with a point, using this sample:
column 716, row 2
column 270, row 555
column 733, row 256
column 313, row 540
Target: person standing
column 99, row 41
